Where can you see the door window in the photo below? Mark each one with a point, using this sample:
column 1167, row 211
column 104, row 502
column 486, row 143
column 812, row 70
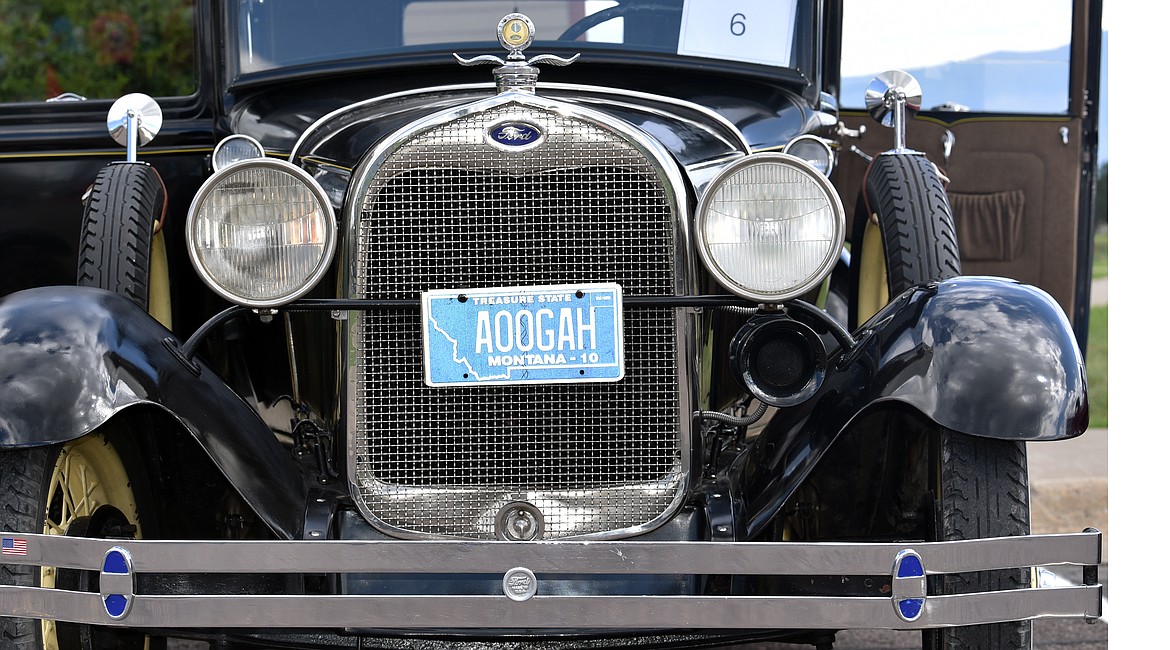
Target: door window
column 995, row 56
column 95, row 48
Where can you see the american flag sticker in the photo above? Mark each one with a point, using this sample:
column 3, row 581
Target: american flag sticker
column 13, row 546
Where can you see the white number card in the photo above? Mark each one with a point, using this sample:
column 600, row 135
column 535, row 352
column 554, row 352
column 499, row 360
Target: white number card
column 754, row 31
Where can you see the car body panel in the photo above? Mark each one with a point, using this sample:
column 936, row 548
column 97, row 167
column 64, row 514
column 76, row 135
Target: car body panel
column 942, row 349
column 74, row 357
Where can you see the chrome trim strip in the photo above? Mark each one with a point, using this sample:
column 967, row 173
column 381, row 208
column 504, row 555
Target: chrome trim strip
column 530, row 610
column 601, row 90
column 575, row 612
column 104, row 153
column 373, row 100
column 686, row 280
column 701, row 174
column 651, row 96
column 396, row 556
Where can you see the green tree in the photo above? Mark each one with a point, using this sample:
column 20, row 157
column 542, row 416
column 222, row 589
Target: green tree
column 95, row 48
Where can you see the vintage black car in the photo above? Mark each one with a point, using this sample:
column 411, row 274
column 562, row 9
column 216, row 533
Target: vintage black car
column 646, row 338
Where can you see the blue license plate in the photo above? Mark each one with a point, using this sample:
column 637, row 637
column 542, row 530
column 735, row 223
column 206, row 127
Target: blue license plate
column 523, row 335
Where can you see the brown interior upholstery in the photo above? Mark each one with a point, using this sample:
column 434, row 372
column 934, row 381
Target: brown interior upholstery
column 1013, row 188
column 990, row 226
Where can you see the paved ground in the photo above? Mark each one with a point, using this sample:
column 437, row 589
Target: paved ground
column 1069, row 479
column 1069, row 484
column 1099, row 295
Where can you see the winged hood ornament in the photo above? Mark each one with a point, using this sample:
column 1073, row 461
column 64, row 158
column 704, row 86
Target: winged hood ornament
column 516, row 73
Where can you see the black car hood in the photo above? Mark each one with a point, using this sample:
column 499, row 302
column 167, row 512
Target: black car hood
column 695, row 131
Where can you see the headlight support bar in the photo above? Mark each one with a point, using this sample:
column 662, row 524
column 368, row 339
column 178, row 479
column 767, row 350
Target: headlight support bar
column 188, row 348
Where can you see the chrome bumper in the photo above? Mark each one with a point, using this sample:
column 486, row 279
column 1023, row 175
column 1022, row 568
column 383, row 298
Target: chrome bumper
column 520, row 565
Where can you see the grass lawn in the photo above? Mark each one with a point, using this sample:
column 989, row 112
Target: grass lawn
column 1097, row 356
column 1101, row 254
column 1097, row 366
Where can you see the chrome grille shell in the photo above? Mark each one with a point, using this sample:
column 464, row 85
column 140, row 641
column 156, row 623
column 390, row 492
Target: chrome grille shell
column 598, row 460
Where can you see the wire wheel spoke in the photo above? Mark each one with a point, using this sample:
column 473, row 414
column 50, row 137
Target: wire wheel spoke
column 88, row 491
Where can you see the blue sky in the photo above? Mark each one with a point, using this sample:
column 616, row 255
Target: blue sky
column 959, row 50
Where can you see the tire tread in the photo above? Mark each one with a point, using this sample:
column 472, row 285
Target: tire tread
column 984, row 493
column 116, row 230
column 917, row 227
column 21, row 478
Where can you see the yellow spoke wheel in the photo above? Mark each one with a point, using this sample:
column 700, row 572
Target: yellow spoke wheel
column 873, row 283
column 87, row 475
column 82, row 488
column 903, row 234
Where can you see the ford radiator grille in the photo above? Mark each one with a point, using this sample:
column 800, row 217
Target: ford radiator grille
column 446, row 208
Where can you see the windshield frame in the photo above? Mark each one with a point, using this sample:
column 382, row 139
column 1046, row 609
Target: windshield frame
column 803, row 71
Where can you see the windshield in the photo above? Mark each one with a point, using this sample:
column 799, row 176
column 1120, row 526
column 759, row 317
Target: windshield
column 274, row 34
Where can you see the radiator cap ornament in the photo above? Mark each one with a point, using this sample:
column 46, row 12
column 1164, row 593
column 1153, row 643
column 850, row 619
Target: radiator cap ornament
column 516, row 32
column 519, row 521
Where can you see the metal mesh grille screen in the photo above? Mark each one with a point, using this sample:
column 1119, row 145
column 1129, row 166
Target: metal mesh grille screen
column 448, row 210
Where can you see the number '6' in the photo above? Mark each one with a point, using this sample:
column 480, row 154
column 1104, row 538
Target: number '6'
column 738, row 24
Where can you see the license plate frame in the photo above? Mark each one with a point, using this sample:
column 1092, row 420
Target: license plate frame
column 551, row 334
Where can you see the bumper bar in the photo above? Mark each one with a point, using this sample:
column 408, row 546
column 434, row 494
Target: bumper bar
column 520, row 565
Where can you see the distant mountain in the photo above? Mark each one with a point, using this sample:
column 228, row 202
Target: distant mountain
column 1016, row 82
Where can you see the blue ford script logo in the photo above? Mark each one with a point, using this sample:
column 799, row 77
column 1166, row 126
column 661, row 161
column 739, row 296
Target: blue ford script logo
column 515, row 134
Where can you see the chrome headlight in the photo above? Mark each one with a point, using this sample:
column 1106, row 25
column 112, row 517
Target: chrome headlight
column 770, row 227
column 261, row 233
column 235, row 148
column 813, row 149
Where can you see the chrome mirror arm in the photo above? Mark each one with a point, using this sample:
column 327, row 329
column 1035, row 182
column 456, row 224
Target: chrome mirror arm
column 133, row 121
column 891, row 98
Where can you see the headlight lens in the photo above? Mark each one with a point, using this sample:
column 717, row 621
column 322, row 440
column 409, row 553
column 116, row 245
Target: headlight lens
column 814, row 150
column 233, row 149
column 770, row 227
column 261, row 233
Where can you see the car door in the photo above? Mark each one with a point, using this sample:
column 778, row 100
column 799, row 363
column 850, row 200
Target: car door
column 62, row 64
column 1009, row 115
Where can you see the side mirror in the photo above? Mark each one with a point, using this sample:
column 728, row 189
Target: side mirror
column 891, row 98
column 134, row 120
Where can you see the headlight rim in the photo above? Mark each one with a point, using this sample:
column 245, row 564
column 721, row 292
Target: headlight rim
column 831, row 155
column 704, row 204
column 323, row 265
column 235, row 137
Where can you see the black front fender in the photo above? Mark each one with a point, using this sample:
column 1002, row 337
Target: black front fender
column 983, row 356
column 72, row 357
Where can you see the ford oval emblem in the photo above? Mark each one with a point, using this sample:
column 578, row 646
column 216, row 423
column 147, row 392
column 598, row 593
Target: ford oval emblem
column 515, row 134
